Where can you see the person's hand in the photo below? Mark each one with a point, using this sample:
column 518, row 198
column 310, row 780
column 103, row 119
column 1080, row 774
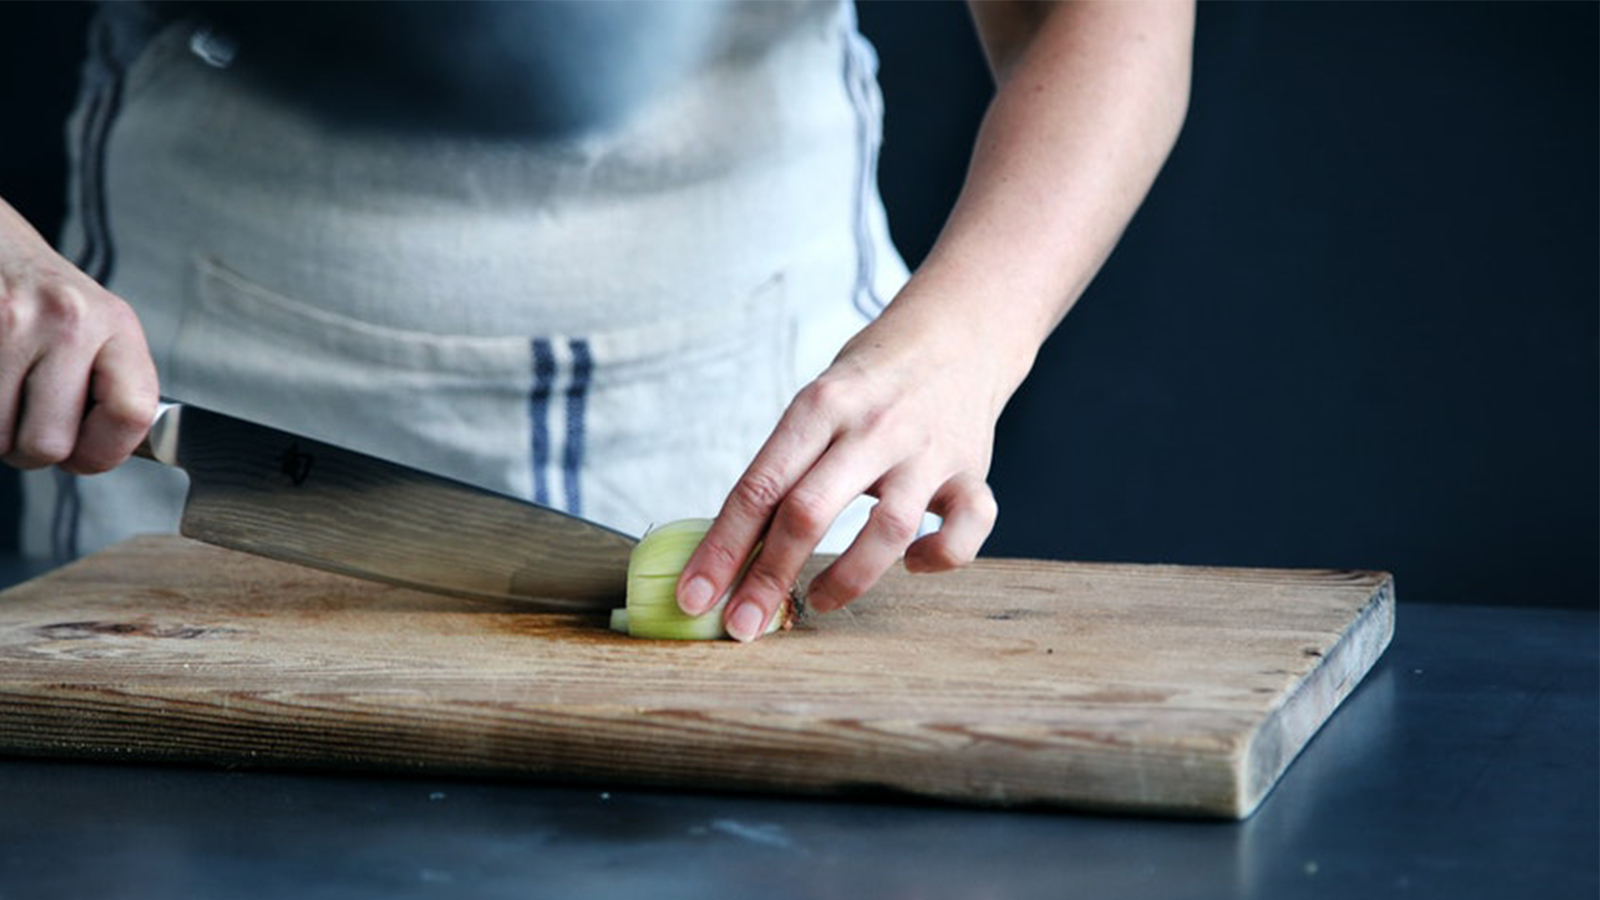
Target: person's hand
column 1089, row 100
column 905, row 414
column 77, row 386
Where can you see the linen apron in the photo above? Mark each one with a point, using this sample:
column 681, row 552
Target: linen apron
column 608, row 322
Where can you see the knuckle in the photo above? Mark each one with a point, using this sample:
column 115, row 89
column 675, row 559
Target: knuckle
column 67, row 311
column 721, row 557
column 121, row 319
column 120, row 311
column 825, row 397
column 75, row 314
column 758, row 493
column 805, row 514
column 764, row 586
column 128, row 414
column 875, row 421
column 15, row 315
column 895, row 524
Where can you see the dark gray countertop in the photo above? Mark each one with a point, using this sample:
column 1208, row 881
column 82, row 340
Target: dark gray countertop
column 1465, row 766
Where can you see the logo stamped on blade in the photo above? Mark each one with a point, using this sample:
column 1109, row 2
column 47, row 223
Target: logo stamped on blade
column 296, row 464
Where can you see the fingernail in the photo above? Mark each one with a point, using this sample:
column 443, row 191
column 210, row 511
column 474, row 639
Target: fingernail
column 817, row 599
column 697, row 596
column 744, row 623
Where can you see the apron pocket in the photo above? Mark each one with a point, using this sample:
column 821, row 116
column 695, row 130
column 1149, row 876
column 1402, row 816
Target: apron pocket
column 453, row 404
column 628, row 426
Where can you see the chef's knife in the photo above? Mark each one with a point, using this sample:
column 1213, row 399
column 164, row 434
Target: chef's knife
column 275, row 494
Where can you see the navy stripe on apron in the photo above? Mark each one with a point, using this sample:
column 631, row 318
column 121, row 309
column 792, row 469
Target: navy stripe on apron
column 544, row 374
column 572, row 452
column 89, row 186
column 97, row 258
column 557, row 405
column 860, row 82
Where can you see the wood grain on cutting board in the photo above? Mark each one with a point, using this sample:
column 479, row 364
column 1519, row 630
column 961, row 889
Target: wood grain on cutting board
column 1160, row 689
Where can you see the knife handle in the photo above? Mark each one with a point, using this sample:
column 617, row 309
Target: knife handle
column 161, row 443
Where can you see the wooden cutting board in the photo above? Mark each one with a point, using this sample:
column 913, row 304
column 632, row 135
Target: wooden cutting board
column 1157, row 689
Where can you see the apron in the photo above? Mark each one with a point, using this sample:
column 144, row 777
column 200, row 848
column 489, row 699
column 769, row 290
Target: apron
column 608, row 322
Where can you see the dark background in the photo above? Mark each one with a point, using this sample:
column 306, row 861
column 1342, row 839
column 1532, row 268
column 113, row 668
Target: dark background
column 1355, row 325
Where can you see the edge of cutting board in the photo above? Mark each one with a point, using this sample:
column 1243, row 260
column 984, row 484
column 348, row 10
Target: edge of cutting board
column 1278, row 740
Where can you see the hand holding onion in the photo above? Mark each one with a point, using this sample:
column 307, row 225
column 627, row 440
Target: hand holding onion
column 906, row 414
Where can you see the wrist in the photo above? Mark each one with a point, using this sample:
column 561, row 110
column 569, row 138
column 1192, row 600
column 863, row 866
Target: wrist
column 942, row 321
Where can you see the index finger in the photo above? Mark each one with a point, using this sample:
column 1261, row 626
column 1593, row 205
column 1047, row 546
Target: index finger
column 794, row 447
column 125, row 393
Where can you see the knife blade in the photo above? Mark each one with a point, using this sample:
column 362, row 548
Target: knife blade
column 291, row 498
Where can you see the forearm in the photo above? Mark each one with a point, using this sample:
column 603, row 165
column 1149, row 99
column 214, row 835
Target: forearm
column 1091, row 95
